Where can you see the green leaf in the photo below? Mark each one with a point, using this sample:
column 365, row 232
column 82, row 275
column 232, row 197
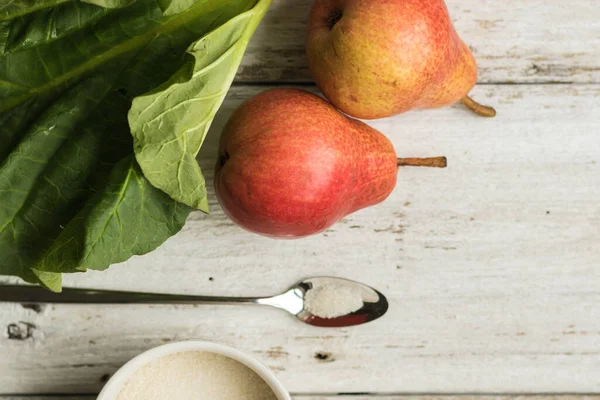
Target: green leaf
column 97, row 44
column 170, row 123
column 129, row 217
column 171, row 7
column 37, row 184
column 72, row 196
column 14, row 8
column 110, row 3
column 49, row 280
column 48, row 25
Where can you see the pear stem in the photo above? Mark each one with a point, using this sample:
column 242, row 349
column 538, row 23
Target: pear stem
column 434, row 162
column 477, row 108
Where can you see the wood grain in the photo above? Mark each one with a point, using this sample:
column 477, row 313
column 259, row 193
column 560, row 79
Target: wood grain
column 492, row 269
column 513, row 41
column 360, row 397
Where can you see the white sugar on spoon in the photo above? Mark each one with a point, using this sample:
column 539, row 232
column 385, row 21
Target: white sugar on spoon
column 333, row 298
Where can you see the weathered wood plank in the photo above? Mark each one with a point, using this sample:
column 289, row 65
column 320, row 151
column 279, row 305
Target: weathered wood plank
column 513, row 41
column 360, row 397
column 492, row 268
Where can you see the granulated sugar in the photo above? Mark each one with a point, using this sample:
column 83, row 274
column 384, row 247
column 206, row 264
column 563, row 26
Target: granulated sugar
column 333, row 299
column 195, row 375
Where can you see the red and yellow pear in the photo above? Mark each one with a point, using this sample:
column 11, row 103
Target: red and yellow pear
column 291, row 165
column 378, row 58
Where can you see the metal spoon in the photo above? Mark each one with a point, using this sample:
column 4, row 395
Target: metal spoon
column 293, row 300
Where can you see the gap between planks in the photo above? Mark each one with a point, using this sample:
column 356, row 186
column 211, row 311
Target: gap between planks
column 361, row 396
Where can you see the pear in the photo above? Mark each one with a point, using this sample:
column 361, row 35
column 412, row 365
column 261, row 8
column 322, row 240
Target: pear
column 291, row 165
column 378, row 58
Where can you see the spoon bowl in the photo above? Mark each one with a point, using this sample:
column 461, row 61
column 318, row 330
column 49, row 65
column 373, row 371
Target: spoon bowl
column 374, row 304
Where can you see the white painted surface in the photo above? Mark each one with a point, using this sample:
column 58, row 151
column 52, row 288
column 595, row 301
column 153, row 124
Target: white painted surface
column 369, row 397
column 492, row 266
column 492, row 269
column 512, row 40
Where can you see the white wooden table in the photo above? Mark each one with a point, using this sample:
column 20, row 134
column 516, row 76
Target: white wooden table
column 492, row 266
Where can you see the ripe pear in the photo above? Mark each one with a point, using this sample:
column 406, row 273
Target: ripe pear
column 291, row 165
column 378, row 58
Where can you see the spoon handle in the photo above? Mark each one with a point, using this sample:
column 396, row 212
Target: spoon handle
column 36, row 294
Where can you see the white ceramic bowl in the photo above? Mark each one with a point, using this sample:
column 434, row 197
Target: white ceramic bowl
column 113, row 387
